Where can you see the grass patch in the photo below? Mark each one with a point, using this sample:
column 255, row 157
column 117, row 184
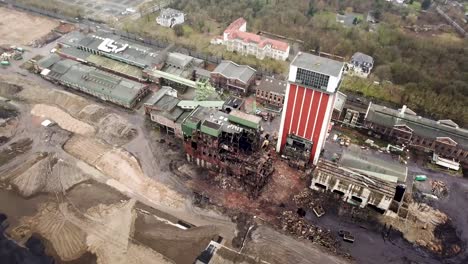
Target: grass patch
column 416, row 6
column 384, row 91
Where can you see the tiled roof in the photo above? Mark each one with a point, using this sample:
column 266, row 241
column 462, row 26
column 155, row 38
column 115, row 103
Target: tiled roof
column 272, row 85
column 259, row 40
column 235, row 25
column 234, row 33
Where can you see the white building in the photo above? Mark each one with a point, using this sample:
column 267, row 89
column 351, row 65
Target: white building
column 170, row 17
column 360, row 65
column 236, row 38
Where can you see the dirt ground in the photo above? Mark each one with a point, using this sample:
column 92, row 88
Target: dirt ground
column 31, row 27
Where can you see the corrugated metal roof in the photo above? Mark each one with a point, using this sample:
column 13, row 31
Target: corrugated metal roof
column 48, row 61
column 245, row 119
column 424, row 127
column 232, row 70
column 354, row 158
column 96, row 82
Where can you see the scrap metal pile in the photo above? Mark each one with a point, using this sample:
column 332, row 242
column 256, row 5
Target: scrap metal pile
column 247, row 173
column 439, row 188
column 294, row 224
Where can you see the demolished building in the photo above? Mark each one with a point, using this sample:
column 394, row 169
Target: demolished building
column 363, row 180
column 229, row 144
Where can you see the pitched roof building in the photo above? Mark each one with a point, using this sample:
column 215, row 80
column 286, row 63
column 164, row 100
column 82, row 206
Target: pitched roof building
column 229, row 75
column 236, row 38
column 444, row 137
column 104, row 85
column 271, row 91
column 170, row 17
column 361, row 64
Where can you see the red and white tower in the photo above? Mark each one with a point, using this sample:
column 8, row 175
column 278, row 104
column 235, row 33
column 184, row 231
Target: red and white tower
column 312, row 85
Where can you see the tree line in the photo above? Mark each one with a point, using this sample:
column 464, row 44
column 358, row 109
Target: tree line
column 433, row 71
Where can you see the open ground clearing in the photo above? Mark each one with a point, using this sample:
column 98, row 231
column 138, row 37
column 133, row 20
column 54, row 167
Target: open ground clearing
column 19, row 28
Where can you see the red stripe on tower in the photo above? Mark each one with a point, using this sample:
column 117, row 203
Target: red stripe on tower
column 320, row 122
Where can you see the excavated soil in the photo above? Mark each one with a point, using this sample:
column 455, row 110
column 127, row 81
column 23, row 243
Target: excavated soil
column 63, row 119
column 170, row 240
column 43, row 172
column 123, row 169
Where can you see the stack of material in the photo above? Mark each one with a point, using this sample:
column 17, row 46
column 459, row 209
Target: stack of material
column 295, row 225
column 439, row 188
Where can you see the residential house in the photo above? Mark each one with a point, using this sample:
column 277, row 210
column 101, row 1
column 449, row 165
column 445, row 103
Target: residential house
column 360, row 65
column 170, row 17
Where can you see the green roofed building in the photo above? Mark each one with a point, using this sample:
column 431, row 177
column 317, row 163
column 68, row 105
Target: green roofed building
column 101, row 84
column 230, row 143
column 214, row 122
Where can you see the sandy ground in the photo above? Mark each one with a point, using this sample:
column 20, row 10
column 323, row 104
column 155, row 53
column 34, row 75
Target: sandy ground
column 63, row 119
column 273, row 247
column 31, row 27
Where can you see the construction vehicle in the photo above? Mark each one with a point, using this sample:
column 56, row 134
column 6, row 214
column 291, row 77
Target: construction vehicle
column 346, row 235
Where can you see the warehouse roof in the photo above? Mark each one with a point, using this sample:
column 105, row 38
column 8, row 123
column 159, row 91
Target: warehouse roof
column 424, row 127
column 48, row 61
column 318, row 64
column 182, row 61
column 134, row 53
column 232, row 70
column 222, row 120
column 356, row 159
column 245, row 119
column 167, row 107
column 96, row 81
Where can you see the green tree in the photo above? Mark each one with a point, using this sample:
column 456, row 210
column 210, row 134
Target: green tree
column 426, row 4
column 178, row 30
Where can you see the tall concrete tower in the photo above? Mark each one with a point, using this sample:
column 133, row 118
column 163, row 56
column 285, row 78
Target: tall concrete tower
column 310, row 94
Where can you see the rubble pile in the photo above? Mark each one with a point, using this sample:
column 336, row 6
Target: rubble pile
column 439, row 188
column 304, row 199
column 297, row 226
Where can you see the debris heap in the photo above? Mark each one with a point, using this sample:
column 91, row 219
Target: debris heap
column 297, row 226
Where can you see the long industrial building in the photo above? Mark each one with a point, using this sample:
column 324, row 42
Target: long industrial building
column 87, row 79
column 310, row 94
column 404, row 126
column 228, row 143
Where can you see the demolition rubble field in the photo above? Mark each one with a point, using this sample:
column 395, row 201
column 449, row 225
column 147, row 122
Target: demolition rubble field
column 102, row 174
column 72, row 183
column 97, row 190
